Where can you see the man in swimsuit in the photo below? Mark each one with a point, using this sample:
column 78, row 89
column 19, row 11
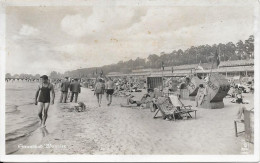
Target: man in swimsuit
column 109, row 86
column 43, row 97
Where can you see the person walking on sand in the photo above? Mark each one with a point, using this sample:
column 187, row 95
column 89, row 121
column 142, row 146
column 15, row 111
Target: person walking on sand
column 99, row 90
column 64, row 90
column 75, row 90
column 109, row 86
column 42, row 97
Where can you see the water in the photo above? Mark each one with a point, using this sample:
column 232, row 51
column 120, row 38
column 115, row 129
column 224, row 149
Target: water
column 21, row 113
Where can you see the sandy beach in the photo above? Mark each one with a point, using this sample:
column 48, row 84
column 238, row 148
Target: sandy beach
column 116, row 130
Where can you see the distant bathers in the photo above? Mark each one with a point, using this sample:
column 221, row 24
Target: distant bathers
column 45, row 94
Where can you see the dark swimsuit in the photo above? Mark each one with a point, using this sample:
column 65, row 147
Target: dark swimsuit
column 45, row 94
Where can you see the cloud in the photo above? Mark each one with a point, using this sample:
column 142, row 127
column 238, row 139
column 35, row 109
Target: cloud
column 74, row 25
column 101, row 21
column 27, row 30
column 87, row 55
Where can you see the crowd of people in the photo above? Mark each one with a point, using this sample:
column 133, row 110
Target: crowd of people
column 121, row 86
column 236, row 90
column 71, row 88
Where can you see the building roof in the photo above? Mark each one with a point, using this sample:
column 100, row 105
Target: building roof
column 228, row 69
column 145, row 70
column 181, row 67
column 183, row 70
column 189, row 67
column 115, row 73
column 249, row 62
column 209, row 65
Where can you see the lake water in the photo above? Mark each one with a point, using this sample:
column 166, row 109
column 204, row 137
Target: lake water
column 21, row 113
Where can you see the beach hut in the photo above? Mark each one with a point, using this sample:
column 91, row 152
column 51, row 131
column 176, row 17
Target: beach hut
column 154, row 82
column 183, row 91
column 217, row 88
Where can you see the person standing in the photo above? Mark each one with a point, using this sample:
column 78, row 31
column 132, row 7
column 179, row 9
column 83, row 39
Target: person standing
column 64, row 90
column 75, row 90
column 109, row 86
column 200, row 95
column 42, row 97
column 99, row 91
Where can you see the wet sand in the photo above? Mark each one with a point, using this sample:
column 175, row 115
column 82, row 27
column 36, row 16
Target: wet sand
column 116, row 130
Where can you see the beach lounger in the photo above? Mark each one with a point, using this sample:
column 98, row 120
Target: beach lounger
column 235, row 123
column 181, row 108
column 164, row 106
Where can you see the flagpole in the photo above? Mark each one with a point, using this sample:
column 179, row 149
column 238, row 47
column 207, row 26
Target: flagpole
column 103, row 74
column 217, row 53
column 96, row 76
column 219, row 58
column 162, row 75
column 211, row 70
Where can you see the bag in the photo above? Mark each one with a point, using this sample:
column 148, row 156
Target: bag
column 99, row 88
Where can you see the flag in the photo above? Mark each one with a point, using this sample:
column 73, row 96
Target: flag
column 216, row 58
column 162, row 66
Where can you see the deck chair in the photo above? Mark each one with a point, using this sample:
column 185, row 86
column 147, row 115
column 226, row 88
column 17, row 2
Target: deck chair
column 163, row 105
column 182, row 109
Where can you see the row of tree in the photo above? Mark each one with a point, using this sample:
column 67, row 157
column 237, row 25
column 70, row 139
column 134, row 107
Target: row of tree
column 53, row 75
column 23, row 76
column 241, row 50
column 194, row 55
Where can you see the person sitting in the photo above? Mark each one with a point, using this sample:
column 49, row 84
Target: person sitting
column 231, row 91
column 238, row 96
column 130, row 102
column 170, row 87
column 158, row 92
column 80, row 107
column 240, row 113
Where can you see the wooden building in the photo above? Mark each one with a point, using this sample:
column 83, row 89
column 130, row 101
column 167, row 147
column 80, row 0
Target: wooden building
column 227, row 68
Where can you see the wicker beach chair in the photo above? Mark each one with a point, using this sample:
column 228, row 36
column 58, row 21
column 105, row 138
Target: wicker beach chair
column 183, row 110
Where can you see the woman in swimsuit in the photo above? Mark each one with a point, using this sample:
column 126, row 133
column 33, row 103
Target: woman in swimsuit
column 43, row 97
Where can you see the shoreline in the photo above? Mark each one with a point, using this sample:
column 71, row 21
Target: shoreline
column 36, row 136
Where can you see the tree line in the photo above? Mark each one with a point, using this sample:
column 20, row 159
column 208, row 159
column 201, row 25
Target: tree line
column 241, row 50
column 23, row 76
column 194, row 55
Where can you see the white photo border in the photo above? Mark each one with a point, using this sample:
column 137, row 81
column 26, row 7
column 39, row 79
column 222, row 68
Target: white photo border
column 128, row 158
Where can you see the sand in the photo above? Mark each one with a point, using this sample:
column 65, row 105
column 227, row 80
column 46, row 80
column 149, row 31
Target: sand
column 116, row 130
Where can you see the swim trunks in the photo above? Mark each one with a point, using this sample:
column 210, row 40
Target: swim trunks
column 110, row 91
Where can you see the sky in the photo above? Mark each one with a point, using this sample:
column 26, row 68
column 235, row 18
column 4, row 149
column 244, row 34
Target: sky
column 51, row 38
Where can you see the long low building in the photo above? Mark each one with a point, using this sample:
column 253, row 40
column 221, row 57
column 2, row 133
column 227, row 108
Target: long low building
column 227, row 68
